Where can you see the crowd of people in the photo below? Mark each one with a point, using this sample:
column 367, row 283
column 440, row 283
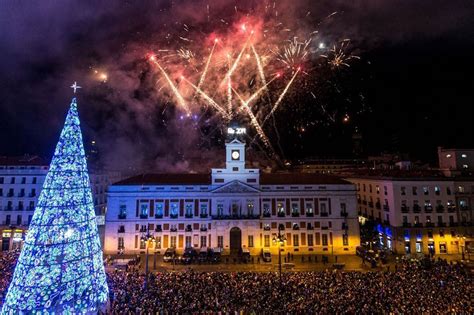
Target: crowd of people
column 7, row 267
column 413, row 287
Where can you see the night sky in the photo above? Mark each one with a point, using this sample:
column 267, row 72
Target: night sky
column 410, row 91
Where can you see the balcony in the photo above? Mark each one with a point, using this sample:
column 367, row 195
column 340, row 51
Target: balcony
column 281, row 214
column 10, row 194
column 267, row 215
column 22, row 194
column 310, row 214
column 203, row 215
column 405, row 209
column 371, row 204
column 143, row 229
column 439, row 209
column 295, row 214
column 32, row 195
column 158, row 215
column 174, row 216
column 406, row 224
column 309, row 227
column 173, row 229
column 122, row 216
column 463, row 208
column 203, row 229
column 345, row 226
column 324, row 228
column 235, row 217
column 359, row 201
column 188, row 229
column 188, row 215
column 429, row 224
column 428, row 209
column 416, row 209
column 158, row 229
column 386, row 208
column 143, row 216
column 418, row 225
column 364, row 202
column 453, row 224
column 344, row 214
column 324, row 214
column 441, row 224
column 30, row 208
column 266, row 228
column 121, row 230
column 377, row 205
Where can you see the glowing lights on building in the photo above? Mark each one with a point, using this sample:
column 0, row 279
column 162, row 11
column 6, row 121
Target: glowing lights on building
column 60, row 268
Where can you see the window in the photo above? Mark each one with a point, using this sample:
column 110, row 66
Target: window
column 266, row 241
column 403, row 191
column 144, row 210
column 417, row 219
column 189, row 209
column 343, row 207
column 159, row 209
column 363, row 187
column 464, row 156
column 323, row 208
column 324, row 239
column 385, row 190
column 121, row 243
column 448, row 190
column 173, row 241
column 34, row 180
column 437, row 190
column 31, row 206
column 158, row 242
column 296, row 240
column 370, row 188
column 426, row 191
column 309, row 208
column 280, row 208
column 142, row 243
column 405, row 219
column 2, row 180
column 203, row 241
column 174, row 210
column 250, row 241
column 345, row 240
column 358, row 186
column 12, row 180
column 122, row 210
column 188, row 241
column 266, row 209
column 23, row 180
column 414, row 190
column 310, row 240
column 18, row 219
column 203, row 209
column 377, row 189
column 220, row 209
column 8, row 219
column 295, row 209
column 220, row 241
column 30, row 217
column 250, row 207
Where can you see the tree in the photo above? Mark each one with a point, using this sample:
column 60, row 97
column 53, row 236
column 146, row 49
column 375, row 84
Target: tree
column 60, row 268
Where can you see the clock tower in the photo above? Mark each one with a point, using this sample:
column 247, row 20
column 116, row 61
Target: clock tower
column 235, row 161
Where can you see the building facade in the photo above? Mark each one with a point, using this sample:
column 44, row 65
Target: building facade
column 21, row 181
column 232, row 208
column 418, row 214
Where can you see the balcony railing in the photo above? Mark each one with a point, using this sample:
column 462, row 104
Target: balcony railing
column 158, row 215
column 441, row 224
column 405, row 209
column 406, row 224
column 143, row 229
column 21, row 194
column 158, row 229
column 386, row 208
column 344, row 214
column 418, row 225
column 267, row 215
column 324, row 214
column 203, row 215
column 266, row 228
column 453, row 224
column 121, row 230
column 310, row 214
column 31, row 195
column 122, row 216
column 428, row 209
column 235, row 217
column 377, row 205
column 309, row 227
column 451, row 209
column 188, row 215
column 429, row 224
column 143, row 216
column 439, row 209
column 416, row 209
column 203, row 229
column 295, row 214
column 281, row 214
column 173, row 229
column 174, row 216
column 188, row 229
column 10, row 195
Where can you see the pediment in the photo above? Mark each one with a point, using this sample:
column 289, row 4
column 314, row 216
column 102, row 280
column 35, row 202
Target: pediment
column 235, row 187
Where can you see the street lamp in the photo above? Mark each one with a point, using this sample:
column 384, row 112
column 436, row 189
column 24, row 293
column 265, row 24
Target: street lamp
column 147, row 237
column 280, row 238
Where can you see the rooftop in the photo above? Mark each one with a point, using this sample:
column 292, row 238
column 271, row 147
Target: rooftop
column 25, row 160
column 205, row 179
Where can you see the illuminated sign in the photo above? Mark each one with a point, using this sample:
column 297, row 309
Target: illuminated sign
column 236, row 131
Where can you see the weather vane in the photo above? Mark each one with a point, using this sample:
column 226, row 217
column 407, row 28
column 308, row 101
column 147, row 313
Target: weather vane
column 75, row 87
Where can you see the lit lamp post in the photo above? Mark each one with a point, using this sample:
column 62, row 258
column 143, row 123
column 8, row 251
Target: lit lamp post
column 147, row 237
column 280, row 239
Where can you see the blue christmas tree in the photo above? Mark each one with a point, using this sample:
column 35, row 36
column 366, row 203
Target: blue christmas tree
column 60, row 268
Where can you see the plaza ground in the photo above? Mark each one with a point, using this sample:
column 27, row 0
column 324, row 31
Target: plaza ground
column 228, row 264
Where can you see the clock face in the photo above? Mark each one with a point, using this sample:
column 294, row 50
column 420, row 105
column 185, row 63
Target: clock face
column 235, row 155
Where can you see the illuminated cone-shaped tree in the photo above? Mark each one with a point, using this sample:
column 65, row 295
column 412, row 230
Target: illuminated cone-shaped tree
column 60, row 268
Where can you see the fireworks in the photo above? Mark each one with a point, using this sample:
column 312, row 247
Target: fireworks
column 233, row 72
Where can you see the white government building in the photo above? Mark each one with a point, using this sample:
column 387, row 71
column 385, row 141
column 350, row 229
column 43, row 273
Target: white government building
column 233, row 208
